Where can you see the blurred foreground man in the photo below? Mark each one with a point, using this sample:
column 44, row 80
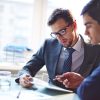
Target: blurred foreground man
column 90, row 87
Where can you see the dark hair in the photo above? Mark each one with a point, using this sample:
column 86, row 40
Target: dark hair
column 61, row 14
column 92, row 8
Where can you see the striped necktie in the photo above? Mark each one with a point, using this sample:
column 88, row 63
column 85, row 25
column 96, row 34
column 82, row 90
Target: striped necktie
column 68, row 62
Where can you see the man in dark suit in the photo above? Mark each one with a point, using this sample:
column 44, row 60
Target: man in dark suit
column 90, row 87
column 54, row 51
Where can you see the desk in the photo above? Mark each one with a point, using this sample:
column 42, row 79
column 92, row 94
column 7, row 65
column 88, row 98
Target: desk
column 34, row 93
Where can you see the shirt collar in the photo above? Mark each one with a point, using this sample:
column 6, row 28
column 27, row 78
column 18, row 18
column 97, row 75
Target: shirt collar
column 78, row 45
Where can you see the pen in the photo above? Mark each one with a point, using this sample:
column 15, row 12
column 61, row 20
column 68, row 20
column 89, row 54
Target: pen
column 19, row 93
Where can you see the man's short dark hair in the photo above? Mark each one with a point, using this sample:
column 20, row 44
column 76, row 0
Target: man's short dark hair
column 92, row 8
column 61, row 14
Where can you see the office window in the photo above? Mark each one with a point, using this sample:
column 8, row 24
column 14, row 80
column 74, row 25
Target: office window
column 16, row 29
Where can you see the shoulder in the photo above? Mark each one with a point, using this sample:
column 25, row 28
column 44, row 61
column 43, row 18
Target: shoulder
column 88, row 45
column 91, row 46
column 51, row 41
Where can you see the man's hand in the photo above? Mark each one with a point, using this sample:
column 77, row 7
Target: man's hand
column 25, row 81
column 70, row 79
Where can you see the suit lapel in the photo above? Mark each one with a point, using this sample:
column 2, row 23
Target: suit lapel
column 87, row 65
column 57, row 52
column 84, row 64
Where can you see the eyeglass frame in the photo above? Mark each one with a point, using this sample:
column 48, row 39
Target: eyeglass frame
column 60, row 32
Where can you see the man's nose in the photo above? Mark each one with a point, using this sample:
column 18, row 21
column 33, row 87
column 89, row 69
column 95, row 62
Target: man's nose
column 86, row 32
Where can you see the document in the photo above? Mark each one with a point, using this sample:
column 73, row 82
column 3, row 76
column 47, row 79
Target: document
column 44, row 84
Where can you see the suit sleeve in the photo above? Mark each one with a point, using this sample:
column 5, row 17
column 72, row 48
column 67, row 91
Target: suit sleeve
column 90, row 87
column 34, row 64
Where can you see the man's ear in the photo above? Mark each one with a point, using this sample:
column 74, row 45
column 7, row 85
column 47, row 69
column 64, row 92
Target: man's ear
column 74, row 25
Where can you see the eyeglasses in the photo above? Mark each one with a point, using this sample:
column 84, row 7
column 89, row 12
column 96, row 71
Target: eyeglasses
column 61, row 32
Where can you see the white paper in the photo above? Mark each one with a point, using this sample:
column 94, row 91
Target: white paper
column 49, row 86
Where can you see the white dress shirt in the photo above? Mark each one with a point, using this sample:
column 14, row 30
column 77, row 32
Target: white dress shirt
column 77, row 57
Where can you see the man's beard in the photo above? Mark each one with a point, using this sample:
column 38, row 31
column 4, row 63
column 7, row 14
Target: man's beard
column 69, row 45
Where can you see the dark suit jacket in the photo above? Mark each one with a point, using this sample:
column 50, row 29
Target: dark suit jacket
column 90, row 87
column 49, row 54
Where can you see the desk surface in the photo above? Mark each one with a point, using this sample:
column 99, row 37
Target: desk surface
column 34, row 93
